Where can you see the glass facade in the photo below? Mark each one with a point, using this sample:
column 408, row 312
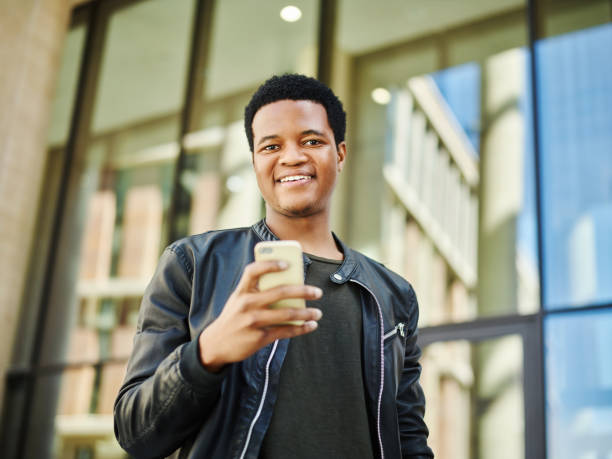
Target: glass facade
column 125, row 193
column 479, row 167
column 575, row 108
column 474, row 393
column 445, row 107
column 579, row 384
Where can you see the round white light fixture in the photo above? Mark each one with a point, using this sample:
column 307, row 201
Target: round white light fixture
column 291, row 13
column 381, row 96
column 234, row 183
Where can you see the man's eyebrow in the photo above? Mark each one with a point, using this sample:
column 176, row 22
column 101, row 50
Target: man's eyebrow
column 267, row 137
column 276, row 136
column 312, row 131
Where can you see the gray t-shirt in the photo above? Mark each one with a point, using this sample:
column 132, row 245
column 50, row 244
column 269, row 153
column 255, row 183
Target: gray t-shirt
column 320, row 411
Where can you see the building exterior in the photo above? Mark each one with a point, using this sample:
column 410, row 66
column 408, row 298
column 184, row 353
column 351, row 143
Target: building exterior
column 479, row 167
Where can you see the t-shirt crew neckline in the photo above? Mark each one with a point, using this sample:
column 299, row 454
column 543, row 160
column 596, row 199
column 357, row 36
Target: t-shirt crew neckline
column 323, row 260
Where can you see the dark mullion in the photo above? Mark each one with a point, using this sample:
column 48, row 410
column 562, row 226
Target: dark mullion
column 578, row 309
column 534, row 29
column 327, row 30
column 533, row 389
column 79, row 126
column 477, row 330
column 192, row 104
column 533, row 35
column 18, row 374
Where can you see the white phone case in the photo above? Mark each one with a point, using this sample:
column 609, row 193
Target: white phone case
column 291, row 253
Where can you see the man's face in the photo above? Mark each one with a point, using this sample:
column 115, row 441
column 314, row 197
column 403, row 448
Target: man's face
column 295, row 157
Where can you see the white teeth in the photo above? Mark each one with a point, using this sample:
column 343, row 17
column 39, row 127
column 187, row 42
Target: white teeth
column 293, row 178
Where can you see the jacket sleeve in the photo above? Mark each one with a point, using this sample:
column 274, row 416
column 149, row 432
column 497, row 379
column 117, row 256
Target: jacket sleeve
column 410, row 397
column 166, row 392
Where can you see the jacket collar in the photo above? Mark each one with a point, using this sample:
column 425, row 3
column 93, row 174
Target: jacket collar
column 344, row 272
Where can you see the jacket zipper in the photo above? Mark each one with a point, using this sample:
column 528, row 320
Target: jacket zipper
column 261, row 403
column 399, row 328
column 382, row 365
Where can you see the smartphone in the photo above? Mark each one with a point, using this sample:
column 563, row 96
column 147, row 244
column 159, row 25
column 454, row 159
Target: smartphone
column 291, row 253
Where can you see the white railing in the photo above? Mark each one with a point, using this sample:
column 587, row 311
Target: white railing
column 431, row 170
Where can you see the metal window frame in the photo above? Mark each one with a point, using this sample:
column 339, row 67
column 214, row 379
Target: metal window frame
column 328, row 11
column 528, row 328
column 193, row 105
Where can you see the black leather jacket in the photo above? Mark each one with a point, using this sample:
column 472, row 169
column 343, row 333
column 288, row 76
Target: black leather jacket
column 168, row 400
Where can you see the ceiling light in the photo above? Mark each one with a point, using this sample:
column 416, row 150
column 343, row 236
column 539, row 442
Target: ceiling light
column 381, row 96
column 234, row 183
column 291, row 13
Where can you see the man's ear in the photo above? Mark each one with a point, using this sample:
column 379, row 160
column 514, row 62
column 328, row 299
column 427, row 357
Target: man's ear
column 341, row 155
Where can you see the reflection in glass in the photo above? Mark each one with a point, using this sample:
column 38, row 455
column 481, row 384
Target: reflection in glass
column 124, row 187
column 460, row 88
column 576, row 146
column 143, row 63
column 474, row 395
column 365, row 26
column 65, row 89
column 244, row 52
column 457, row 180
column 432, row 171
column 579, row 385
column 77, row 434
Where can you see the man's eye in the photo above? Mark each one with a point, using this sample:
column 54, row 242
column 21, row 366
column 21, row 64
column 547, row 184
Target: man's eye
column 270, row 147
column 312, row 142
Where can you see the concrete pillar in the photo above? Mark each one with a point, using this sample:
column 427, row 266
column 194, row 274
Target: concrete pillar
column 31, row 39
column 501, row 189
column 499, row 362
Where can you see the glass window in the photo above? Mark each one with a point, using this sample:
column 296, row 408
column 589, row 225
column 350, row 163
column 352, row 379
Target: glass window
column 127, row 181
column 80, row 435
column 58, row 132
column 579, row 384
column 65, row 89
column 440, row 132
column 251, row 42
column 574, row 74
column 474, row 393
column 218, row 186
column 143, row 64
column 114, row 227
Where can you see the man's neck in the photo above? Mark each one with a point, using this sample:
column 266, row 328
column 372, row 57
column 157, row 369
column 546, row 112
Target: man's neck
column 312, row 232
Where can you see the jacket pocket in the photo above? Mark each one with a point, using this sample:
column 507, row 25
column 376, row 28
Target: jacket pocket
column 395, row 349
column 398, row 330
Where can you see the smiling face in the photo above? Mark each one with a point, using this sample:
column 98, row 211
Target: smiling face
column 295, row 157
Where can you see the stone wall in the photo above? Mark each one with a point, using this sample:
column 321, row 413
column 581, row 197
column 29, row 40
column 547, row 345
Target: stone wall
column 31, row 38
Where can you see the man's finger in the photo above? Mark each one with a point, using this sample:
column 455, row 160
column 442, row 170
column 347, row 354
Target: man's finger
column 253, row 271
column 264, row 318
column 266, row 297
column 290, row 331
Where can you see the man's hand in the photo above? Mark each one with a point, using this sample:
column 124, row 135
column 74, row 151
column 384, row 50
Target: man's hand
column 247, row 324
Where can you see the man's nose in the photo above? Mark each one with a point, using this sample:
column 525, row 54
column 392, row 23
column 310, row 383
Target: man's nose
column 292, row 155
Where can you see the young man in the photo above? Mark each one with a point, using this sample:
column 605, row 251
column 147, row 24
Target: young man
column 212, row 371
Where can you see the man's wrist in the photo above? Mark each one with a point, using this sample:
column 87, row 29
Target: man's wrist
column 207, row 357
column 195, row 374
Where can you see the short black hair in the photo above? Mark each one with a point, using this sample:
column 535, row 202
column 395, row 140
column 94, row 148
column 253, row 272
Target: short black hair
column 292, row 86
